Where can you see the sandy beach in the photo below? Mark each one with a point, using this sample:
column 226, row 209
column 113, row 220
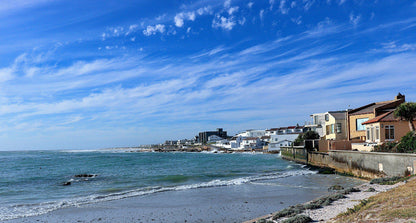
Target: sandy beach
column 236, row 203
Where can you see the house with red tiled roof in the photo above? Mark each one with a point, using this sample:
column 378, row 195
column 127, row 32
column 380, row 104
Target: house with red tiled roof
column 356, row 117
column 385, row 128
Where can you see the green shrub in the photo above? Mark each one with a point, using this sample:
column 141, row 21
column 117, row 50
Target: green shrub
column 407, row 144
column 385, row 147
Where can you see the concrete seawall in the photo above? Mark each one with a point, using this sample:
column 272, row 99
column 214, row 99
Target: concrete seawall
column 360, row 164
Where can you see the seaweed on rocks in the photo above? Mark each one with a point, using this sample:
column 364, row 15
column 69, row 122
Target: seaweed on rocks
column 298, row 219
column 370, row 190
column 288, row 212
column 264, row 221
column 386, row 180
column 350, row 190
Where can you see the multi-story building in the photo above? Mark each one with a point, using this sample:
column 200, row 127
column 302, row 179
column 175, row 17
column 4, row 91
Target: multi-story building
column 203, row 136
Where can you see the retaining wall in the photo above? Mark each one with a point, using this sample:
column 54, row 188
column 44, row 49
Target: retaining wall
column 366, row 164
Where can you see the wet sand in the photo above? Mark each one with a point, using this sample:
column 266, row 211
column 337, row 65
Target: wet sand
column 236, row 203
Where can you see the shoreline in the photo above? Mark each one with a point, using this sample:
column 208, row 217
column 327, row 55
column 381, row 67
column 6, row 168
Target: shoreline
column 328, row 213
column 236, row 203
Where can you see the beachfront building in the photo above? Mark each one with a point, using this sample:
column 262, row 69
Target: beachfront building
column 336, row 125
column 203, row 136
column 356, row 117
column 385, row 128
column 272, row 131
column 252, row 133
column 276, row 141
column 317, row 124
column 250, row 143
column 214, row 138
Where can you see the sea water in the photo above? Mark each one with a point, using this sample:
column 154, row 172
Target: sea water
column 37, row 182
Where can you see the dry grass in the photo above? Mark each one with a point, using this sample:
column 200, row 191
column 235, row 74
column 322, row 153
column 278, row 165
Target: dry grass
column 398, row 204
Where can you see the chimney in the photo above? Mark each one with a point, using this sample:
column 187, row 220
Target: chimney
column 400, row 96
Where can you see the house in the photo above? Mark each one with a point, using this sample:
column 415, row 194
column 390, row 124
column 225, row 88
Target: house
column 336, row 125
column 356, row 117
column 318, row 123
column 250, row 143
column 265, row 138
column 276, row 141
column 385, row 128
column 272, row 131
column 252, row 133
column 214, row 138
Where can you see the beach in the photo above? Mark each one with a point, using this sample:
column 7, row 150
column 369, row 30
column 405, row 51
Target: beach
column 331, row 212
column 235, row 203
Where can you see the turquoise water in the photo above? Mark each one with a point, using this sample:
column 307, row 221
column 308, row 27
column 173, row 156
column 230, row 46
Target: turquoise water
column 31, row 183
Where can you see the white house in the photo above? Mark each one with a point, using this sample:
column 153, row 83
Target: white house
column 276, row 141
column 235, row 142
column 250, row 142
column 252, row 133
column 214, row 138
column 318, row 123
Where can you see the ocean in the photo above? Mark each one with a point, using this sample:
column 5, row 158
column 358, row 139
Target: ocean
column 37, row 182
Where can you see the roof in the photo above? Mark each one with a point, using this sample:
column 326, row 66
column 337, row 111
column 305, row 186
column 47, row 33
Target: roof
column 386, row 117
column 377, row 107
column 265, row 137
column 272, row 129
column 338, row 115
column 250, row 138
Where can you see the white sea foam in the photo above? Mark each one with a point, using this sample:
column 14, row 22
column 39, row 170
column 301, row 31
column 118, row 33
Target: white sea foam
column 26, row 210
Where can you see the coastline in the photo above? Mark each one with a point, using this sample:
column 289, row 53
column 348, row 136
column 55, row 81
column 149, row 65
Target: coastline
column 235, row 203
column 330, row 212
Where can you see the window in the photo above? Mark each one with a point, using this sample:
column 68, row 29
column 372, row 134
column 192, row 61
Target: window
column 368, row 133
column 327, row 130
column 339, row 128
column 389, row 132
column 332, row 128
column 315, row 120
column 359, row 121
column 377, row 133
column 373, row 134
column 326, row 117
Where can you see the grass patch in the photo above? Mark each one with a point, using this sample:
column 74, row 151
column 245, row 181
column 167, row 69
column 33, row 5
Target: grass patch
column 401, row 213
column 391, row 206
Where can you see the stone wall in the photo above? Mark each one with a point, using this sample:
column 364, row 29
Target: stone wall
column 366, row 164
column 296, row 153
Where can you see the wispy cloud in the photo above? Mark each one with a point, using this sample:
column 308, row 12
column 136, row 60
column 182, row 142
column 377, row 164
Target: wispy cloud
column 152, row 30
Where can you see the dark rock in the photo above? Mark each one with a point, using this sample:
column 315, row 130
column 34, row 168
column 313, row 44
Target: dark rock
column 335, row 187
column 66, row 183
column 86, row 175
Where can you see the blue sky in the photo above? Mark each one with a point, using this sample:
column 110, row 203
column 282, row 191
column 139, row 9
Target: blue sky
column 99, row 74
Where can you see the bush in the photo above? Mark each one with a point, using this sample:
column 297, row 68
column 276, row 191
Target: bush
column 407, row 144
column 385, row 147
column 298, row 219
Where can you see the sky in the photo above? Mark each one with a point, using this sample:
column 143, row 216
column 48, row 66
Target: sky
column 100, row 74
